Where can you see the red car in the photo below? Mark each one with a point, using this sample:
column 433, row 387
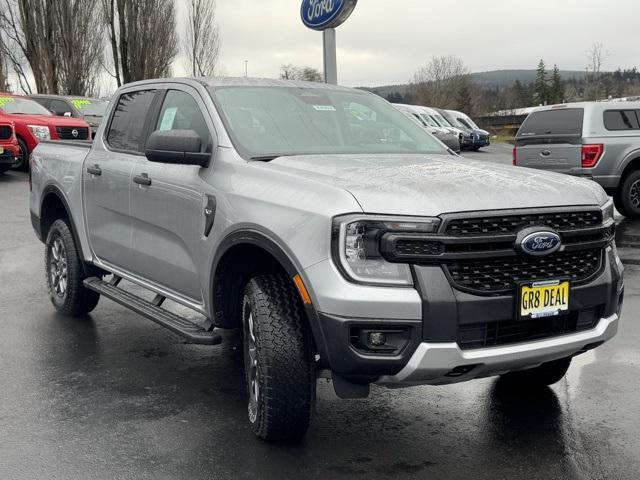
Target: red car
column 33, row 123
column 9, row 148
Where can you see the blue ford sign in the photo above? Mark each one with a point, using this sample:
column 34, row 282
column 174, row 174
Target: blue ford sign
column 538, row 243
column 323, row 14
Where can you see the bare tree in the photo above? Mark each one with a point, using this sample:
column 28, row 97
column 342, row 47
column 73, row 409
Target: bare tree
column 202, row 42
column 4, row 62
column 60, row 41
column 443, row 82
column 143, row 38
column 79, row 46
column 294, row 72
column 596, row 56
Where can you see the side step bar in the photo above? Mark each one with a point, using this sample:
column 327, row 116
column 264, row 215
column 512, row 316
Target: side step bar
column 190, row 331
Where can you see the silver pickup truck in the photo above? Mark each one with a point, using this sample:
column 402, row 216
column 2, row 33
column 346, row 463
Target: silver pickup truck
column 340, row 237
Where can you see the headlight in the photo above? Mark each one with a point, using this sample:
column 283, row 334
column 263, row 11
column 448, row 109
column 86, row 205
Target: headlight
column 40, row 132
column 607, row 211
column 356, row 247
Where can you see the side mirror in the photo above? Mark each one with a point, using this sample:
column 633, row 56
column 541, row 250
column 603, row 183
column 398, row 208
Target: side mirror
column 182, row 147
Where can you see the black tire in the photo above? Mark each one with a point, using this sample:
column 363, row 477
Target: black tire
column 542, row 376
column 65, row 273
column 23, row 164
column 627, row 197
column 279, row 359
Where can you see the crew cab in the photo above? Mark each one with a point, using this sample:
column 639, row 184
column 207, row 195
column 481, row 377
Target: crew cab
column 343, row 240
column 34, row 123
column 9, row 149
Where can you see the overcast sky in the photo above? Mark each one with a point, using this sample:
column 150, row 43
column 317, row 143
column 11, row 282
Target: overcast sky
column 385, row 41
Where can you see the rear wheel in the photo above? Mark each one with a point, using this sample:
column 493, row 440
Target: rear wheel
column 278, row 358
column 627, row 197
column 23, row 162
column 542, row 376
column 65, row 273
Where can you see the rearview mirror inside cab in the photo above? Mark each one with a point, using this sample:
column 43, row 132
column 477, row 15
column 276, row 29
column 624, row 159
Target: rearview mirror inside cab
column 182, row 147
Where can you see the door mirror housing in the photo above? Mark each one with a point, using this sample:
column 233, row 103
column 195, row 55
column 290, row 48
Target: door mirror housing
column 181, row 147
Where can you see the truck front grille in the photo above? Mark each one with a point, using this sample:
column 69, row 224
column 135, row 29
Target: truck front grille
column 5, row 132
column 66, row 133
column 502, row 275
column 491, row 334
column 512, row 223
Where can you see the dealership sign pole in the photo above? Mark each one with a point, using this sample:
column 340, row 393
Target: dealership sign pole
column 325, row 16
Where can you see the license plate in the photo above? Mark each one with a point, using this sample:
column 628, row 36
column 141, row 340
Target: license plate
column 544, row 299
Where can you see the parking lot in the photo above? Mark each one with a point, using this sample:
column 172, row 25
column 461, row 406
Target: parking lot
column 115, row 396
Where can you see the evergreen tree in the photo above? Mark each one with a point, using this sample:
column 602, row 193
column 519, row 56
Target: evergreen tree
column 523, row 93
column 556, row 94
column 540, row 87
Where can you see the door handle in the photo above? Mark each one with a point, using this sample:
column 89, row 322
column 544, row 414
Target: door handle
column 142, row 179
column 95, row 170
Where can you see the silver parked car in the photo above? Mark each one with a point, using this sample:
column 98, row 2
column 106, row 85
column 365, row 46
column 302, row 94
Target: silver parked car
column 449, row 138
column 595, row 140
column 335, row 233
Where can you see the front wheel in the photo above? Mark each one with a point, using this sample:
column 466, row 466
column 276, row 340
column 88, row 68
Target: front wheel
column 65, row 273
column 23, row 162
column 542, row 376
column 627, row 197
column 278, row 359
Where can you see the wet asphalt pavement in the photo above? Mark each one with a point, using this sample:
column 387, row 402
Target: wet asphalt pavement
column 114, row 396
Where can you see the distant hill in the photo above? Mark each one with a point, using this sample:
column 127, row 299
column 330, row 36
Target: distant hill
column 503, row 78
column 491, row 79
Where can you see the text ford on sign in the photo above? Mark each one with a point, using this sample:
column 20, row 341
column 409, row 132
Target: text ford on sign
column 323, row 14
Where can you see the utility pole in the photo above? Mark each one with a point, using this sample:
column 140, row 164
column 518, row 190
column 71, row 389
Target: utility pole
column 246, row 68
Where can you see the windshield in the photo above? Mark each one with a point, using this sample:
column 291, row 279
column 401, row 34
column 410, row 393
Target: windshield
column 90, row 107
column 428, row 120
column 464, row 122
column 455, row 123
column 467, row 121
column 440, row 120
column 21, row 106
column 266, row 122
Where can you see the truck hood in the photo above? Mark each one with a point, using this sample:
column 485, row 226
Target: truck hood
column 49, row 120
column 430, row 185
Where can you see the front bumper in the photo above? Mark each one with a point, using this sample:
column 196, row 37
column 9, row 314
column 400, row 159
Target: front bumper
column 444, row 363
column 8, row 159
column 438, row 318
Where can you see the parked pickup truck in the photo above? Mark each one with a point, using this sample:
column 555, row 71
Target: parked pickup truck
column 343, row 245
column 595, row 140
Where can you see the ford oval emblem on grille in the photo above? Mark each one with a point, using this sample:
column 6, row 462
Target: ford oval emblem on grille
column 537, row 241
column 74, row 132
column 545, row 153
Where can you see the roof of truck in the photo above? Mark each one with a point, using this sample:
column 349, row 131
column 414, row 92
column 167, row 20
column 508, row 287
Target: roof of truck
column 616, row 105
column 246, row 82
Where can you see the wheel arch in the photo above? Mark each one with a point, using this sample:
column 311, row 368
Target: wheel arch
column 54, row 206
column 242, row 254
column 631, row 164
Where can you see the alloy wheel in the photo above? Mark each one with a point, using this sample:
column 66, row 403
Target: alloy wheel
column 58, row 267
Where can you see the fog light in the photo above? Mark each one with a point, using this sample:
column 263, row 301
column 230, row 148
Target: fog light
column 377, row 339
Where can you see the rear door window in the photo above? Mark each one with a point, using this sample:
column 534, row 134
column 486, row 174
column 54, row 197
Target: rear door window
column 566, row 121
column 621, row 120
column 129, row 119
